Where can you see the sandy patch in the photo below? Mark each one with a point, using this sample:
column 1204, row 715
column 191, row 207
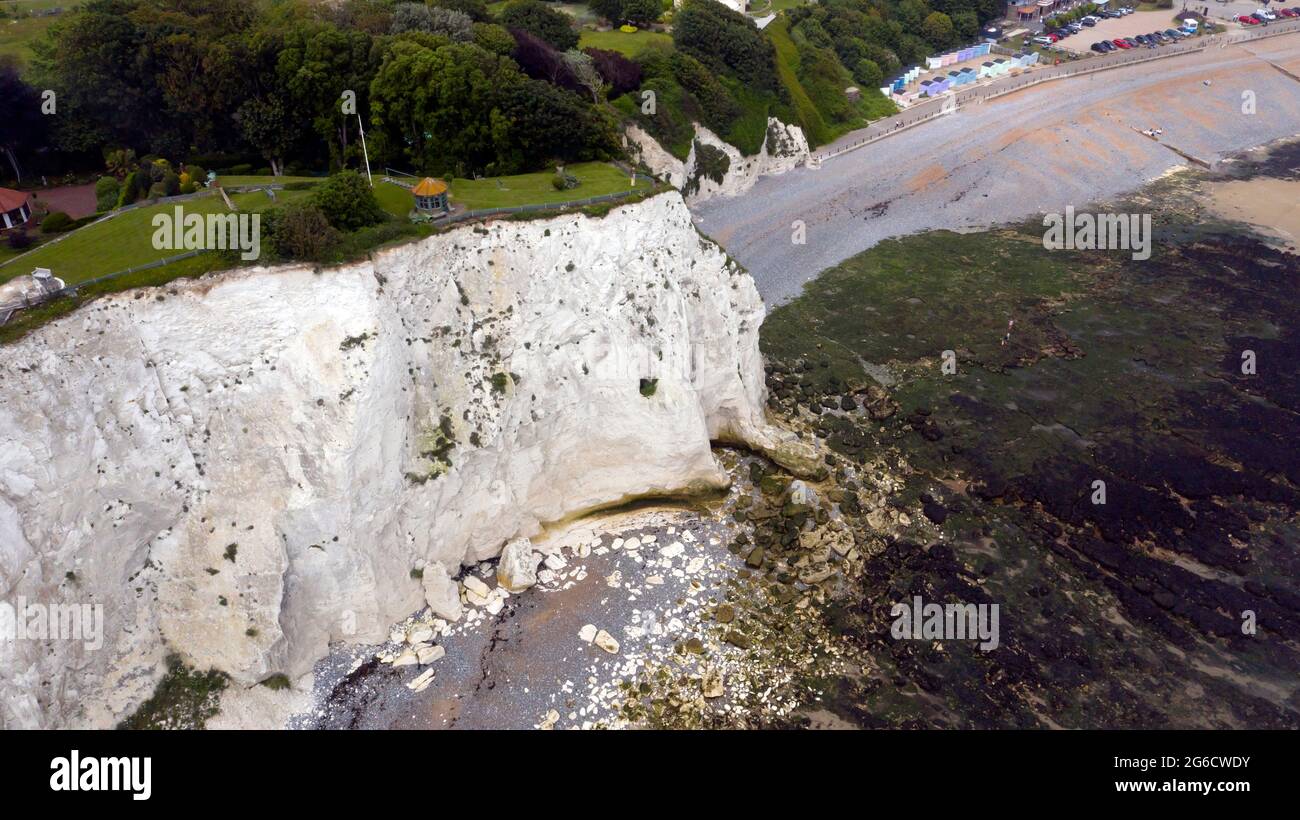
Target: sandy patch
column 1272, row 205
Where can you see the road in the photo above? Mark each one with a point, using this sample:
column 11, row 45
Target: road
column 1074, row 141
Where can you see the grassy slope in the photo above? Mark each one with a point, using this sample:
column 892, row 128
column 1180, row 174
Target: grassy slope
column 125, row 241
column 596, row 178
column 17, row 35
column 818, row 128
column 628, row 45
column 787, row 66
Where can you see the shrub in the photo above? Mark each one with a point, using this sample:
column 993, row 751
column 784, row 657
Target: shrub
column 107, row 192
column 301, row 231
column 18, row 240
column 540, row 19
column 348, row 202
column 564, row 181
column 56, row 222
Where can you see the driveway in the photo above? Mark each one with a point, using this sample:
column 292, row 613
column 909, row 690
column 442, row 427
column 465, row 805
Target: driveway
column 74, row 200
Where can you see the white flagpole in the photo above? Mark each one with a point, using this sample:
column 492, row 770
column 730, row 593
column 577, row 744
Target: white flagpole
column 364, row 151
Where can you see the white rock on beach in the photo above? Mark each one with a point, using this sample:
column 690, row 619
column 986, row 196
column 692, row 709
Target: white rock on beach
column 606, row 642
column 428, row 654
column 440, row 592
column 421, row 681
column 517, row 569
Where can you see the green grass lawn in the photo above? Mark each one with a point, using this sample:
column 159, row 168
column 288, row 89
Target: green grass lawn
column 18, row 33
column 629, row 45
column 237, row 181
column 126, row 241
column 597, row 178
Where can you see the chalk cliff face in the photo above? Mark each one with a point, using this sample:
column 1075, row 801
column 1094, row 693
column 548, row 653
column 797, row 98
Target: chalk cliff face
column 785, row 148
column 247, row 467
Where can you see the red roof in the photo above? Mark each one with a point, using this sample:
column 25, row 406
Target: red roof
column 11, row 200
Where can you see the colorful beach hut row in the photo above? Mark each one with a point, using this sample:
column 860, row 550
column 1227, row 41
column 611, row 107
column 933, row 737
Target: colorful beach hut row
column 899, row 85
column 937, row 85
column 959, row 56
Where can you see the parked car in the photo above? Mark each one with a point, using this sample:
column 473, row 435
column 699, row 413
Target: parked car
column 1097, row 48
column 1043, row 41
column 1121, row 44
column 1247, row 20
column 1264, row 14
column 1288, row 12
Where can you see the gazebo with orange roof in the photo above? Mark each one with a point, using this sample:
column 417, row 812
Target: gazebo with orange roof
column 430, row 196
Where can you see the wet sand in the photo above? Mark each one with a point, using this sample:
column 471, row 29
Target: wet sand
column 1271, row 206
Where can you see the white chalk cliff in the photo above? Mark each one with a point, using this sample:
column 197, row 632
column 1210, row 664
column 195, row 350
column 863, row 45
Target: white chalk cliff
column 784, row 149
column 247, row 467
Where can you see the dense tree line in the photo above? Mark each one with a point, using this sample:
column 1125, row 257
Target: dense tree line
column 874, row 39
column 436, row 85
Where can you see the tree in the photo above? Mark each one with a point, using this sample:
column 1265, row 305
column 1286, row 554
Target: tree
column 585, row 72
column 455, row 25
column 938, row 30
column 347, row 201
column 541, row 61
column 315, row 68
column 23, row 126
column 494, row 38
column 611, row 10
column 966, row 24
column 725, row 40
column 436, row 108
column 642, row 12
column 411, row 17
column 264, row 124
column 868, row 74
column 476, row 9
column 622, row 75
column 537, row 18
column 552, row 124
